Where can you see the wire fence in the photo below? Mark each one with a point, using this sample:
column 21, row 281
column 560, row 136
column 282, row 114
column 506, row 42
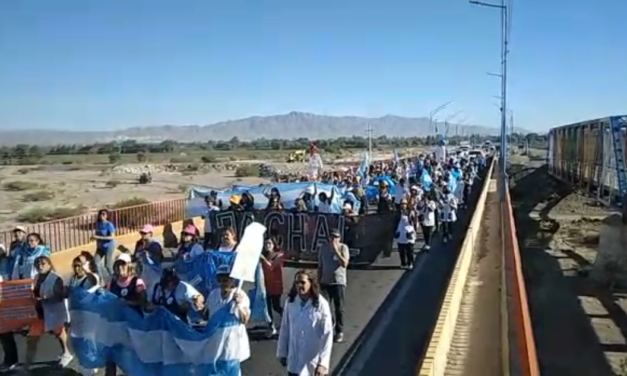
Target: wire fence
column 77, row 231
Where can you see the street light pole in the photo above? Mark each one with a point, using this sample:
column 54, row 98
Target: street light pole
column 434, row 112
column 504, row 52
column 369, row 131
column 449, row 119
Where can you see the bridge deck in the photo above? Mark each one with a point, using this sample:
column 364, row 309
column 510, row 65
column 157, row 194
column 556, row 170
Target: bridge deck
column 476, row 345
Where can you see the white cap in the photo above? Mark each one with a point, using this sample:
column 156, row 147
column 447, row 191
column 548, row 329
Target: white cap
column 19, row 228
column 124, row 257
column 310, row 190
column 348, row 206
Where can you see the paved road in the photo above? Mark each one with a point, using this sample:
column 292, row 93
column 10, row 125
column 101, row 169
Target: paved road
column 366, row 292
column 398, row 348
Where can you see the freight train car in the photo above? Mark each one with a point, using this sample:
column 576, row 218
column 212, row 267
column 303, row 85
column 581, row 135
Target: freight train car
column 591, row 155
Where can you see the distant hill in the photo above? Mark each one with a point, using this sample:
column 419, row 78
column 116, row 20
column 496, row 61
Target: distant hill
column 288, row 126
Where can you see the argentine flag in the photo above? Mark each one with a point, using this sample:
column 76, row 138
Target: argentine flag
column 363, row 166
column 104, row 329
column 426, row 180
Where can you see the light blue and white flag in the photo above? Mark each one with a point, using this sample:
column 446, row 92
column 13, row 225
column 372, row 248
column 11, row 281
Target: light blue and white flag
column 426, row 180
column 363, row 165
column 104, row 329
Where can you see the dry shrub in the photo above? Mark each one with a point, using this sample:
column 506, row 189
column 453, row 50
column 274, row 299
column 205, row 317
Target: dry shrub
column 112, row 184
column 247, row 171
column 45, row 214
column 135, row 212
column 20, row 186
column 38, row 196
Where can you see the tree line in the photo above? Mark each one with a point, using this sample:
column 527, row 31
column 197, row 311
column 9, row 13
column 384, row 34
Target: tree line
column 31, row 154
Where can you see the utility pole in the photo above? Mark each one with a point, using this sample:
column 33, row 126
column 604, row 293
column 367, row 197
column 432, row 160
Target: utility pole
column 369, row 132
column 504, row 52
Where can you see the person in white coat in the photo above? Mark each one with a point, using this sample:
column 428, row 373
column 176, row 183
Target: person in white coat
column 306, row 335
column 405, row 237
column 448, row 213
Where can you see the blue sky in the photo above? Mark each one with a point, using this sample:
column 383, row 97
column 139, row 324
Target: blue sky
column 112, row 64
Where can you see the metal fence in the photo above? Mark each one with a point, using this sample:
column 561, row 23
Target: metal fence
column 77, row 231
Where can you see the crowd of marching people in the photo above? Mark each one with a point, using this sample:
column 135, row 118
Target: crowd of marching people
column 425, row 192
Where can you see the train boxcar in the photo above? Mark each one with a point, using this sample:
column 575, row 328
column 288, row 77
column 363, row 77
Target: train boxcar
column 584, row 154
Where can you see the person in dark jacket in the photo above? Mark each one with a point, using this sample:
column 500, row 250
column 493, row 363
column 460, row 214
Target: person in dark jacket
column 385, row 201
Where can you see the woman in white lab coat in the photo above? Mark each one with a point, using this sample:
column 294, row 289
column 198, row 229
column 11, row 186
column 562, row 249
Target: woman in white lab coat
column 306, row 335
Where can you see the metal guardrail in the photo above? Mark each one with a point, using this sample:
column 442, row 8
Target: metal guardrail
column 520, row 350
column 77, row 231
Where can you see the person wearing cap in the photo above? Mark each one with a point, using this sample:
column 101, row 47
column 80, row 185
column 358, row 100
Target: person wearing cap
column 209, row 241
column 176, row 296
column 147, row 245
column 20, row 264
column 130, row 289
column 189, row 246
column 333, row 260
column 385, row 201
column 125, row 284
column 347, row 209
column 235, row 203
column 415, row 195
column 228, row 296
column 105, row 245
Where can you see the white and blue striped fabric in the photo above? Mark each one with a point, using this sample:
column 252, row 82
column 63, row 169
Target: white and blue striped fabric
column 363, row 165
column 425, row 179
column 103, row 329
column 289, row 193
column 372, row 190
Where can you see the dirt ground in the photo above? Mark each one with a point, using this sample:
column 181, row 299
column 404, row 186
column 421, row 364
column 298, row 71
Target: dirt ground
column 580, row 328
column 90, row 189
column 81, row 188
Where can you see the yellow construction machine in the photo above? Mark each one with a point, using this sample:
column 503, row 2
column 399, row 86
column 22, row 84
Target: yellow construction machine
column 296, row 156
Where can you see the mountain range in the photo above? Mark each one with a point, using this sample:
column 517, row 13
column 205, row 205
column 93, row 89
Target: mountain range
column 286, row 126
